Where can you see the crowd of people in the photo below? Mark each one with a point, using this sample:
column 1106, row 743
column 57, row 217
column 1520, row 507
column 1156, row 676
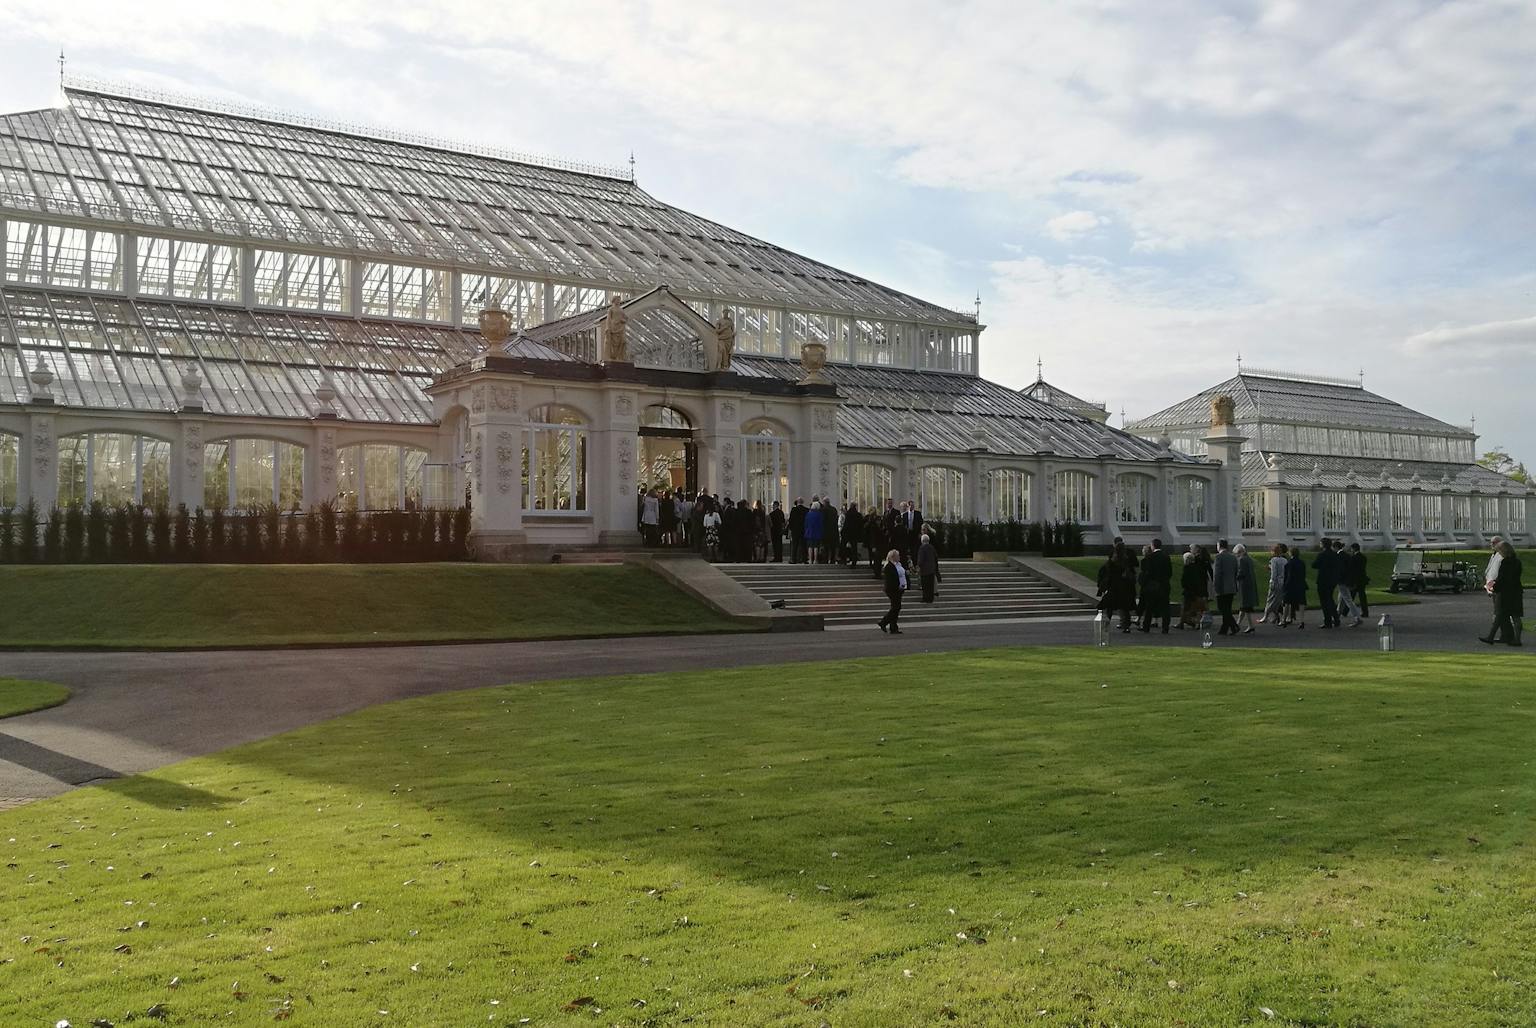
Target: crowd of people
column 893, row 542
column 1140, row 589
column 741, row 531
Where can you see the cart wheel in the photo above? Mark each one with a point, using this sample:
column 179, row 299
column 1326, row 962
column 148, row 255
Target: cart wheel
column 1418, row 587
column 1456, row 588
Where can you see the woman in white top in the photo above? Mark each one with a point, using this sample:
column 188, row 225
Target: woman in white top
column 1274, row 599
column 712, row 534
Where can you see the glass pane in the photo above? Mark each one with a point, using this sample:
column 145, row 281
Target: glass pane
column 216, row 476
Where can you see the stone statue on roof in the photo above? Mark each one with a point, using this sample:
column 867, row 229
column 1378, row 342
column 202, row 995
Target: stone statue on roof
column 725, row 330
column 1223, row 411
column 615, row 348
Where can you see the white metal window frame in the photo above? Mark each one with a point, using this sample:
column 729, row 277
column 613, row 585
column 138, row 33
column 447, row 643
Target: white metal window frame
column 89, row 492
column 280, row 457
column 576, row 445
column 1074, row 497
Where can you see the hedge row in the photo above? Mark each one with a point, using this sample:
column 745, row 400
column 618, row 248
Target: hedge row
column 127, row 533
column 958, row 539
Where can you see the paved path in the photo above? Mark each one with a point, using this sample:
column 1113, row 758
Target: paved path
column 133, row 712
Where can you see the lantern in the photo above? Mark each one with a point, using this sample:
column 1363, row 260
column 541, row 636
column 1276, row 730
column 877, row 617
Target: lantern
column 1101, row 629
column 1206, row 639
column 1384, row 634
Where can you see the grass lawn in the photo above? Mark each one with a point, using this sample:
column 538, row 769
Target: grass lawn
column 1379, row 568
column 18, row 696
column 188, row 605
column 1048, row 836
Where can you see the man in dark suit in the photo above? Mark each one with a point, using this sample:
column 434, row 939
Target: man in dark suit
column 797, row 515
column 776, row 522
column 1326, row 564
column 1357, row 577
column 927, row 567
column 1156, row 585
column 829, row 532
column 895, row 584
column 911, row 530
column 891, row 522
column 853, row 535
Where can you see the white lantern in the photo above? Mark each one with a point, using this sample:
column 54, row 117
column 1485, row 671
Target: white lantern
column 1384, row 634
column 1206, row 639
column 1101, row 629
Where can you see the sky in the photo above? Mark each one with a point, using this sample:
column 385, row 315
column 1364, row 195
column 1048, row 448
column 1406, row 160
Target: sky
column 1140, row 193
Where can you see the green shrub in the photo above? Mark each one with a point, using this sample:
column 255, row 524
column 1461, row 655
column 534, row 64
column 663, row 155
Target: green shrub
column 183, row 533
column 199, row 535
column 53, row 537
column 74, row 533
column 160, row 521
column 444, row 548
column 26, row 536
column 293, row 541
column 7, row 541
column 351, row 533
column 460, row 548
column 327, row 531
column 138, row 534
column 119, row 538
column 96, row 520
column 217, row 534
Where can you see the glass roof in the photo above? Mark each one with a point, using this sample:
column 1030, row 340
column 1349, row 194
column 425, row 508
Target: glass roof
column 186, row 166
column 1274, row 397
column 120, row 354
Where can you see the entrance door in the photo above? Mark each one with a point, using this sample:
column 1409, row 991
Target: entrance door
column 669, row 459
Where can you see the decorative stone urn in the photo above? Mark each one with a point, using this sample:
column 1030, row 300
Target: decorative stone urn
column 495, row 326
column 325, row 393
column 41, row 378
column 191, row 382
column 813, row 358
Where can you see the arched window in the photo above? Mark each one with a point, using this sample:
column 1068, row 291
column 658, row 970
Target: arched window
column 767, row 456
column 659, row 415
column 241, row 474
column 941, row 493
column 379, row 476
column 10, row 448
column 1010, row 495
column 1074, row 497
column 114, row 467
column 555, row 461
column 868, row 485
column 1189, row 500
column 1133, row 499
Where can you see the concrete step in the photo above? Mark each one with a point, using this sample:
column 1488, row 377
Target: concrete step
column 978, row 591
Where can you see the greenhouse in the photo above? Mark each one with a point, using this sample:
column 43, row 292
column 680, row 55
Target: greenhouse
column 219, row 307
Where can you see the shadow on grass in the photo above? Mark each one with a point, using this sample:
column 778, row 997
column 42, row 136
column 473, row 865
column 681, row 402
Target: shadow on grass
column 157, row 792
column 992, row 759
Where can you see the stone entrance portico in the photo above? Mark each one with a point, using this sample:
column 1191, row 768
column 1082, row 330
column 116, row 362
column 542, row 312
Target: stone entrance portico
column 656, row 351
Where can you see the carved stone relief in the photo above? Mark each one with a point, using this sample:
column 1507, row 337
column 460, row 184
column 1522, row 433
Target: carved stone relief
column 504, row 398
column 728, row 411
column 626, row 460
column 505, row 454
column 624, row 405
column 825, row 419
column 477, row 400
column 327, row 463
column 825, row 467
column 42, row 445
column 192, row 453
column 479, row 462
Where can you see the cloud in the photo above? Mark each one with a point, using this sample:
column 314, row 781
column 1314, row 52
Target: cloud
column 1073, row 225
column 1488, row 336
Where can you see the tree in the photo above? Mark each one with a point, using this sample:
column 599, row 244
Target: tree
column 1499, row 460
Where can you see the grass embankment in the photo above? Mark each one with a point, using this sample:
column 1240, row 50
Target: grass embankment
column 19, row 696
column 1378, row 568
column 166, row 606
column 1055, row 837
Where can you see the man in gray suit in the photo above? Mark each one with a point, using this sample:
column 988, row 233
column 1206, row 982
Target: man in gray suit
column 1224, row 573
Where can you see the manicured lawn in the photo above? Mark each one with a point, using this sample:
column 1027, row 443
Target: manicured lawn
column 1055, row 837
column 1379, row 568
column 147, row 606
column 18, row 696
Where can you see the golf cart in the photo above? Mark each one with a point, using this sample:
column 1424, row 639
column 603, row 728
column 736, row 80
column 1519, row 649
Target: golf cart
column 1433, row 569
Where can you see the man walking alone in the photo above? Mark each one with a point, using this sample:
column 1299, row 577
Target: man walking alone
column 1224, row 573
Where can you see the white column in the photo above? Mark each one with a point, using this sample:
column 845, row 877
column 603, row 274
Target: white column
column 498, row 434
column 1226, row 446
column 187, row 465
column 614, row 474
column 38, row 478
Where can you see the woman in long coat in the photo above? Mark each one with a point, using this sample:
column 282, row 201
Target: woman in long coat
column 1295, row 590
column 1274, row 599
column 1195, row 586
column 1508, row 599
column 1247, row 587
column 813, row 532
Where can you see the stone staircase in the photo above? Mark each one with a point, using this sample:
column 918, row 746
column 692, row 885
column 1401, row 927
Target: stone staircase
column 971, row 591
